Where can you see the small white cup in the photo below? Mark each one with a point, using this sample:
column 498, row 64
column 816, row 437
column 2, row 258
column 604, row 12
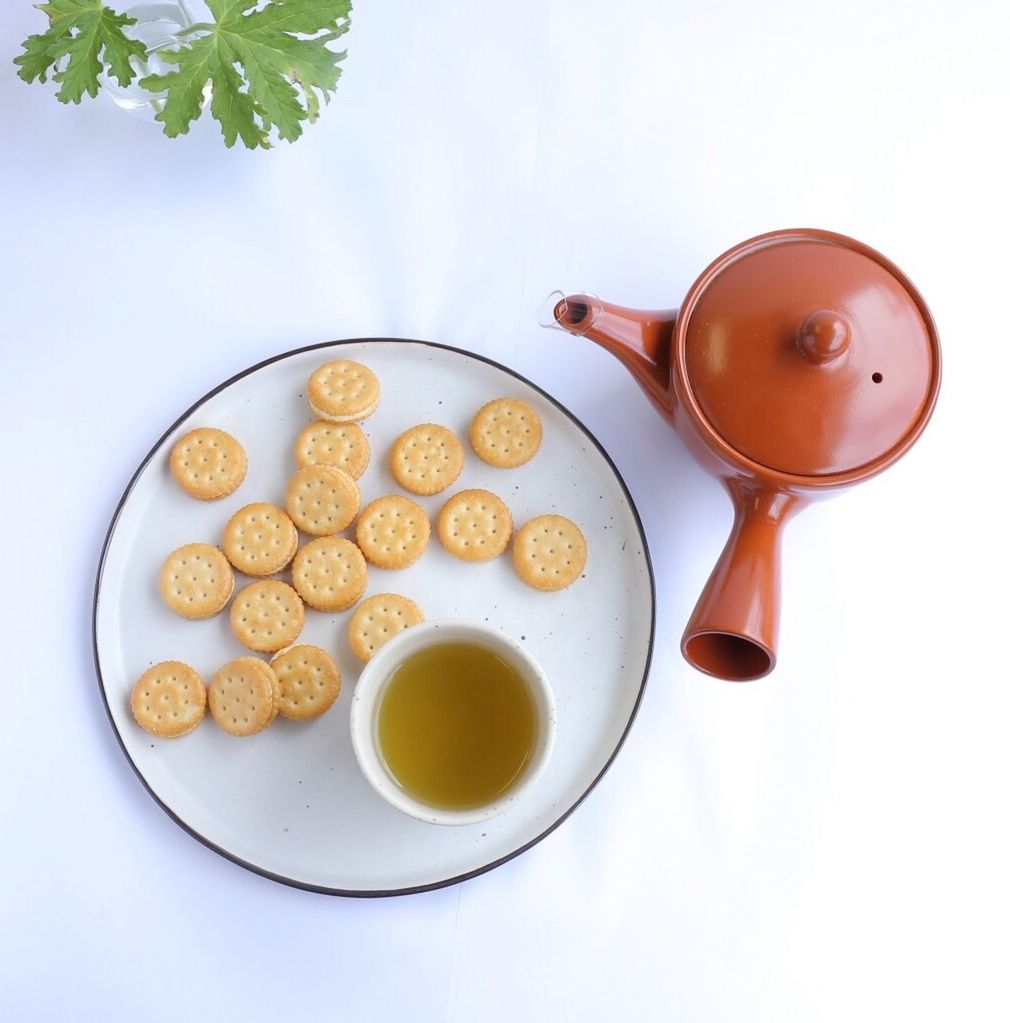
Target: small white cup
column 371, row 687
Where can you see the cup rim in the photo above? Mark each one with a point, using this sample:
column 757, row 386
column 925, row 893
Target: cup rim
column 367, row 698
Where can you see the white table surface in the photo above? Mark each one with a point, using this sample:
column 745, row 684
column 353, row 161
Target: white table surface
column 827, row 844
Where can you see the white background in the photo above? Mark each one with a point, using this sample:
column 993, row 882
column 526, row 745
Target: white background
column 827, row 844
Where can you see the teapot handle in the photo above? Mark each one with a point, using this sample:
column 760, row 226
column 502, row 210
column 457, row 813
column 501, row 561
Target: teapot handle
column 733, row 631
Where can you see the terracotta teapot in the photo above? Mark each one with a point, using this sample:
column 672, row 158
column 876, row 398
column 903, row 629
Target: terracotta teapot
column 801, row 362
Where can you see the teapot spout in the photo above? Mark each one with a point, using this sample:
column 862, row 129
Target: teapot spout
column 640, row 339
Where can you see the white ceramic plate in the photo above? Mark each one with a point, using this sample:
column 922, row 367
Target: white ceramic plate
column 290, row 803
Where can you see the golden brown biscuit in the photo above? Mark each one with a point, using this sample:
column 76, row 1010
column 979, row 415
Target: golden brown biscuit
column 426, row 459
column 393, row 531
column 549, row 552
column 208, row 463
column 378, row 619
column 169, row 699
column 506, row 432
column 475, row 525
column 278, row 693
column 341, row 444
column 309, row 681
column 260, row 539
column 267, row 615
column 243, row 696
column 343, row 391
column 330, row 573
column 196, row 581
column 322, row 499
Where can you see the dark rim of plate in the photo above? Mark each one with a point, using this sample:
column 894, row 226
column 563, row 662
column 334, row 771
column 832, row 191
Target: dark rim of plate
column 444, row 882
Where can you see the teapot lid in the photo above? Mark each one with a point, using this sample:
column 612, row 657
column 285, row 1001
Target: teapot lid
column 809, row 353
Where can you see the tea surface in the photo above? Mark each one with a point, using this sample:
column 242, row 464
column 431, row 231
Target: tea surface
column 457, row 725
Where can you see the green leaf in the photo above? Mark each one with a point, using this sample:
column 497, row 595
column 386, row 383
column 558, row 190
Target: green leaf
column 36, row 61
column 84, row 37
column 268, row 65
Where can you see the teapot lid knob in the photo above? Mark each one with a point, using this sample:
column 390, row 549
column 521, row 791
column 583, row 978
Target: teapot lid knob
column 824, row 335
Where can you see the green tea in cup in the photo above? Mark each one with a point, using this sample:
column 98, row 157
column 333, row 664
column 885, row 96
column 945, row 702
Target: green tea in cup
column 457, row 725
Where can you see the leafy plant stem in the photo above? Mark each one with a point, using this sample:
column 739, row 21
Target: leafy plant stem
column 157, row 105
column 261, row 67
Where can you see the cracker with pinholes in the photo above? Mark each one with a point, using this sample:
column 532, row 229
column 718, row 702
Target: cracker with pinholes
column 506, row 433
column 169, row 700
column 322, row 499
column 549, row 552
column 196, row 581
column 267, row 616
column 309, row 681
column 393, row 531
column 329, row 573
column 426, row 459
column 475, row 525
column 260, row 539
column 343, row 391
column 208, row 464
column 341, row 444
column 244, row 696
column 378, row 619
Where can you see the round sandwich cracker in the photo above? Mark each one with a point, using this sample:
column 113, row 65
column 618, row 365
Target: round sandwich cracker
column 475, row 525
column 506, row 433
column 309, row 681
column 343, row 391
column 329, row 573
column 378, row 619
column 426, row 459
column 275, row 683
column 549, row 552
column 267, row 616
column 169, row 700
column 196, row 581
column 341, row 444
column 393, row 531
column 208, row 463
column 322, row 499
column 260, row 539
column 243, row 696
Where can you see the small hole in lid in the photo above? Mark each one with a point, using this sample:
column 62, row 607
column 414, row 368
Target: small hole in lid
column 877, row 378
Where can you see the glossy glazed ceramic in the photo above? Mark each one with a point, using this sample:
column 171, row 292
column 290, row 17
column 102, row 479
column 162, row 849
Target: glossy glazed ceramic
column 374, row 680
column 799, row 363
